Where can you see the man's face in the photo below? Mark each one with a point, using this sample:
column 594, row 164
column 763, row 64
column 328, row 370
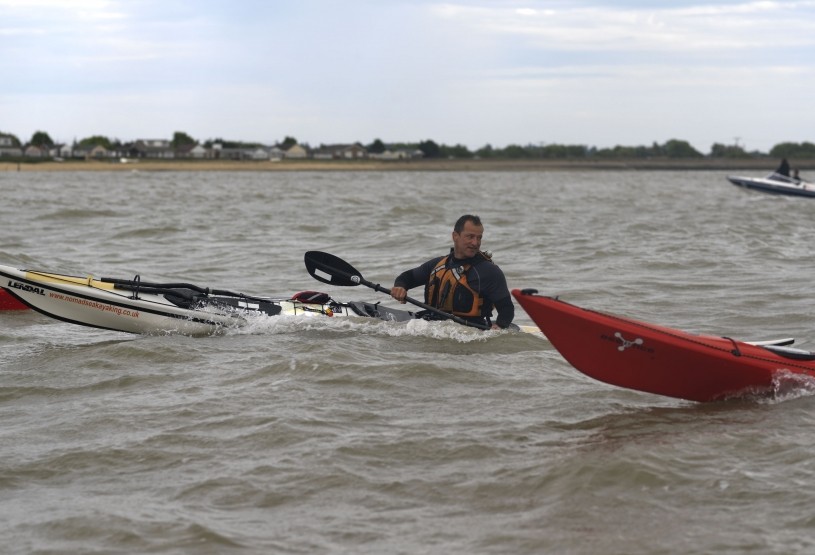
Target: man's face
column 467, row 243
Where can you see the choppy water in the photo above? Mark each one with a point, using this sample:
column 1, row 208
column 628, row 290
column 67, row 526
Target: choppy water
column 330, row 436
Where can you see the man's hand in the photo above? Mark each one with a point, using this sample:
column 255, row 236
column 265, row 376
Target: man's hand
column 399, row 293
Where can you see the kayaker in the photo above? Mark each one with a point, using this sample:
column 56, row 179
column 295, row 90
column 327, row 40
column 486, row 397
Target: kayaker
column 465, row 282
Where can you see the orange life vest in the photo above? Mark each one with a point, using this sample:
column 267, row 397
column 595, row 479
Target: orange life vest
column 447, row 289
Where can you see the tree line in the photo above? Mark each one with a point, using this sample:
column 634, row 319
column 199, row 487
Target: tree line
column 673, row 148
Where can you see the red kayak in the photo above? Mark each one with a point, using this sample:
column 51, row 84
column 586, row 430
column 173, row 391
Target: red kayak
column 8, row 302
column 657, row 359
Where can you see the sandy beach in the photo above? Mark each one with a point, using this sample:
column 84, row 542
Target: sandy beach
column 759, row 164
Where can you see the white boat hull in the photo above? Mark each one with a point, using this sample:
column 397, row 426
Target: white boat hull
column 775, row 184
column 95, row 303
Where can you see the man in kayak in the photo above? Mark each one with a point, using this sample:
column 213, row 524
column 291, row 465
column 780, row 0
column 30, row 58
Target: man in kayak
column 465, row 282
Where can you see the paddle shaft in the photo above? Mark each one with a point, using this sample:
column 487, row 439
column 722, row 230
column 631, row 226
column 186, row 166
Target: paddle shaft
column 138, row 285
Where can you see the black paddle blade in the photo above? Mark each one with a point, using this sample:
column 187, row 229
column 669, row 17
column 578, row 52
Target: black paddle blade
column 329, row 269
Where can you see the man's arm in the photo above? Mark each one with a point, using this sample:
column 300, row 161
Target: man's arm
column 506, row 312
column 401, row 284
column 410, row 279
column 498, row 292
column 405, row 280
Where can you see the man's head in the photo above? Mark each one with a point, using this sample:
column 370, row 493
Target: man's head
column 467, row 234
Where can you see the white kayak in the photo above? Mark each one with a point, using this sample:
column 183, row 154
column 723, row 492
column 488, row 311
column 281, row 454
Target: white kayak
column 135, row 306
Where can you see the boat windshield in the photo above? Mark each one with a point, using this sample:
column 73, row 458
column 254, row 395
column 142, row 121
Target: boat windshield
column 775, row 176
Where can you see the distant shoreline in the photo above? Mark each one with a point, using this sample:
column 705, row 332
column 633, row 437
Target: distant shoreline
column 760, row 165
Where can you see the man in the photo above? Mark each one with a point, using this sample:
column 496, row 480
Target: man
column 464, row 283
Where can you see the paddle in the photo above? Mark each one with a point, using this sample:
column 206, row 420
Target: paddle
column 160, row 288
column 336, row 271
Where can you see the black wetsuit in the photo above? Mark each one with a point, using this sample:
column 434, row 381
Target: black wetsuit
column 483, row 276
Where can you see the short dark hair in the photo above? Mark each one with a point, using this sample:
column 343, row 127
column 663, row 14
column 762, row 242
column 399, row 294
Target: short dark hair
column 464, row 219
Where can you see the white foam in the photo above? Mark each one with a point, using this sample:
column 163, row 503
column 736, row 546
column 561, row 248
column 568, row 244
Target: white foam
column 259, row 324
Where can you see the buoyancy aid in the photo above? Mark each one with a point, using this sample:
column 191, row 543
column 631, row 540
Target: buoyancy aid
column 448, row 290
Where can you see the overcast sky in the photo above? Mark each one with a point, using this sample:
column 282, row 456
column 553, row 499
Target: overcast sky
column 474, row 72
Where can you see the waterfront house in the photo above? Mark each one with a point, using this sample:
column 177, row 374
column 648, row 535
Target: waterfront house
column 340, row 152
column 150, row 148
column 34, row 151
column 8, row 148
column 296, row 152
